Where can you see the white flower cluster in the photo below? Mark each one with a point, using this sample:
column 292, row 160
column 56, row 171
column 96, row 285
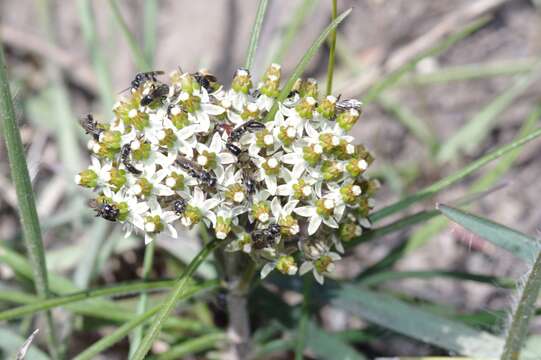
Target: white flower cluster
column 282, row 181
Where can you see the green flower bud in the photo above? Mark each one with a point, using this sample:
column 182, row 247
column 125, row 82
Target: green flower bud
column 310, row 88
column 153, row 224
column 190, row 103
column 140, row 151
column 264, row 138
column 192, row 216
column 305, row 107
column 242, row 82
column 188, row 83
column 142, row 187
column 261, row 211
column 328, row 142
column 356, row 167
column 118, row 178
column 347, row 119
column 111, row 140
column 366, row 204
column 312, row 154
column 332, row 170
column 370, row 187
column 287, row 135
column 327, row 107
column 235, row 193
column 324, row 264
column 289, row 226
column 123, row 211
column 175, row 181
column 179, row 118
column 302, row 190
column 271, row 166
column 223, row 227
column 325, row 207
column 345, row 150
column 167, row 138
column 250, row 112
column 350, row 193
column 349, row 231
column 87, row 178
column 270, row 82
column 286, row 265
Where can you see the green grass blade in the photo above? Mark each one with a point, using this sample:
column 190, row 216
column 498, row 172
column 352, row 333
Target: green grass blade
column 388, row 312
column 143, row 300
column 451, row 179
column 99, row 62
column 518, row 329
column 256, row 31
column 332, row 49
column 392, row 78
column 117, row 335
column 467, row 138
column 326, row 345
column 384, row 276
column 520, row 245
column 25, row 197
column 299, row 69
column 139, row 57
column 170, row 303
column 418, row 128
column 471, row 72
column 150, row 14
column 34, row 305
column 302, row 11
column 192, row 346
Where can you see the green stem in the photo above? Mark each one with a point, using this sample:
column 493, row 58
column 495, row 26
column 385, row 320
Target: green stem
column 305, row 318
column 143, row 300
column 256, row 31
column 330, row 67
column 150, row 14
column 172, row 300
column 25, row 197
column 193, row 345
column 138, row 55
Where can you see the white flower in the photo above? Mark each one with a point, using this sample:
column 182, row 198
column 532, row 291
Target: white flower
column 205, row 206
column 321, row 266
column 103, row 171
column 328, row 204
column 166, row 218
column 280, row 212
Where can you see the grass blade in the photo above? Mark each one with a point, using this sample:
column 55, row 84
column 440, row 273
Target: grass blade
column 302, row 11
column 451, row 179
column 117, row 335
column 172, row 300
column 475, row 130
column 256, row 31
column 518, row 329
column 192, row 346
column 139, row 57
column 388, row 312
column 326, row 345
column 299, row 69
column 25, row 197
column 150, row 14
column 520, row 245
column 389, row 80
column 332, row 48
column 10, row 343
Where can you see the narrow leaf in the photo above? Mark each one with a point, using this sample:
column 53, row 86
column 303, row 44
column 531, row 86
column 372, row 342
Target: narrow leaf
column 256, row 31
column 511, row 240
column 328, row 346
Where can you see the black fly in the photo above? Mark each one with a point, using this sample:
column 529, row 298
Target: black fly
column 107, row 211
column 91, row 126
column 125, row 158
column 156, row 92
column 263, row 238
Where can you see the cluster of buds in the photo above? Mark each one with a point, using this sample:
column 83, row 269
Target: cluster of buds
column 281, row 181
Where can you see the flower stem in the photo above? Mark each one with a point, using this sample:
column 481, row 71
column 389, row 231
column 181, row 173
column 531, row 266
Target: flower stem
column 330, row 68
column 25, row 196
column 143, row 299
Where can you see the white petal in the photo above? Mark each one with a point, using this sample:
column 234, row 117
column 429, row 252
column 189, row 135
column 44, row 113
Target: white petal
column 270, row 181
column 198, row 196
column 210, row 204
column 310, row 131
column 204, row 122
column 216, row 143
column 212, row 109
column 148, row 239
column 330, row 222
column 172, row 231
column 227, row 158
column 305, row 267
column 319, row 278
column 284, row 190
column 315, row 222
column 163, row 190
column 290, row 159
column 305, row 211
column 290, row 206
column 276, row 207
column 298, row 170
column 267, row 268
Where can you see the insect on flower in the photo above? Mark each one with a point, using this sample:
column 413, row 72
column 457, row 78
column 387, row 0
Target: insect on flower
column 156, row 92
column 105, row 210
column 266, row 237
column 142, row 77
column 125, row 158
column 90, row 126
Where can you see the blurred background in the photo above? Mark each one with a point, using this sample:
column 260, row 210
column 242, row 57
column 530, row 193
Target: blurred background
column 469, row 78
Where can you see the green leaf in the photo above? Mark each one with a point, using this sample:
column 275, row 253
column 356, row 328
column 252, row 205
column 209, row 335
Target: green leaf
column 256, row 31
column 451, row 179
column 25, row 197
column 11, row 343
column 299, row 69
column 192, row 346
column 326, row 345
column 170, row 303
column 468, row 137
column 332, row 49
column 388, row 312
column 520, row 245
column 524, row 311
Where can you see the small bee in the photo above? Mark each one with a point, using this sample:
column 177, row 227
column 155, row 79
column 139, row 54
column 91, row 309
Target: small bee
column 206, row 80
column 348, row 104
column 205, row 178
column 125, row 158
column 248, row 126
column 142, row 77
column 91, row 126
column 292, row 99
column 179, row 206
column 107, row 211
column 263, row 238
column 247, row 166
column 156, row 92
